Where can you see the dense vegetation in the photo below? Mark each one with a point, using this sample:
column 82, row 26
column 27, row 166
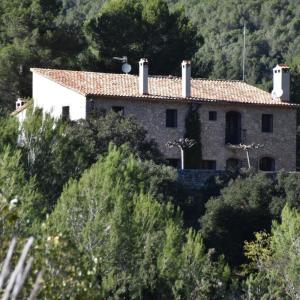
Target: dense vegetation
column 272, row 36
column 111, row 223
column 86, row 34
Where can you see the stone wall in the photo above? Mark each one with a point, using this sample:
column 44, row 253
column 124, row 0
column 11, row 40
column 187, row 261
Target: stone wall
column 196, row 178
column 152, row 116
column 280, row 144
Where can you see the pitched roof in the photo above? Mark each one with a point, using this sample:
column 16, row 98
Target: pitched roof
column 284, row 66
column 160, row 88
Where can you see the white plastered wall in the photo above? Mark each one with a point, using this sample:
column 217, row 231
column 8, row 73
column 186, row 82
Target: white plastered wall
column 21, row 116
column 51, row 97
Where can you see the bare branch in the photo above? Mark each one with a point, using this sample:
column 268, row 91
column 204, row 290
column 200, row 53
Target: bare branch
column 37, row 286
column 181, row 143
column 5, row 268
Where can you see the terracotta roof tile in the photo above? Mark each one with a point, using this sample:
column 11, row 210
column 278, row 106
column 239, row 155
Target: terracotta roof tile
column 284, row 66
column 160, row 87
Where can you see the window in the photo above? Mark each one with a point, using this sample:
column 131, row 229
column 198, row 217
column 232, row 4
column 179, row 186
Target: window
column 233, row 128
column 208, row 164
column 65, row 113
column 212, row 116
column 267, row 164
column 267, row 123
column 118, row 110
column 174, row 162
column 233, row 164
column 171, row 118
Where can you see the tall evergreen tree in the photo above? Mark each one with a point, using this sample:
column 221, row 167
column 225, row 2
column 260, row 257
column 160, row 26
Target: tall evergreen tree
column 31, row 36
column 193, row 156
column 141, row 29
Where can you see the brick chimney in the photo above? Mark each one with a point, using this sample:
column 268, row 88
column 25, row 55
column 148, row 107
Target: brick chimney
column 186, row 78
column 281, row 82
column 143, row 76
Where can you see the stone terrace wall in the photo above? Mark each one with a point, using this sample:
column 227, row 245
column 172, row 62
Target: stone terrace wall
column 196, row 178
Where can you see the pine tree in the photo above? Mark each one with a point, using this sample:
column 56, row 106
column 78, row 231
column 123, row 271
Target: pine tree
column 140, row 243
column 141, row 29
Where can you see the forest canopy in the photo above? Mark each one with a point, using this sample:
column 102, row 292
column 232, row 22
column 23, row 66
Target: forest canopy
column 86, row 34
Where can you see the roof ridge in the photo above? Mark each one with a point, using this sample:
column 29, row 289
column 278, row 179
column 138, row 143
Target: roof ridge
column 81, row 71
column 154, row 76
column 164, row 77
column 224, row 80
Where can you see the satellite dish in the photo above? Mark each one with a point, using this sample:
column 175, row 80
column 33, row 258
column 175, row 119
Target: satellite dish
column 277, row 94
column 126, row 68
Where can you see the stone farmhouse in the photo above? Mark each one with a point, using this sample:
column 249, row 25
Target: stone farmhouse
column 231, row 112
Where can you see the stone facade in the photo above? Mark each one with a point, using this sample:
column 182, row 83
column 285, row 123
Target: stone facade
column 197, row 178
column 279, row 144
column 152, row 116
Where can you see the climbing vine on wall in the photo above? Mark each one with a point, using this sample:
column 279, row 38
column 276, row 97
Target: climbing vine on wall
column 193, row 156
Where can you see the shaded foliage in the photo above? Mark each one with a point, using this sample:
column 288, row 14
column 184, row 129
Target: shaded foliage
column 141, row 29
column 246, row 205
column 104, row 128
column 32, row 36
column 275, row 260
column 54, row 151
column 272, row 36
column 241, row 209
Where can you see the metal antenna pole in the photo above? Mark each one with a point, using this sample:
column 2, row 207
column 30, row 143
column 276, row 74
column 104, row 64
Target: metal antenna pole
column 244, row 51
column 248, row 159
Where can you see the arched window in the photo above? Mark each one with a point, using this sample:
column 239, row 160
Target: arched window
column 267, row 164
column 233, row 164
column 233, row 128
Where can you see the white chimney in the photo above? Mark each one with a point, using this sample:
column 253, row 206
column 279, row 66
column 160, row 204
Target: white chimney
column 20, row 102
column 143, row 76
column 281, row 82
column 186, row 78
